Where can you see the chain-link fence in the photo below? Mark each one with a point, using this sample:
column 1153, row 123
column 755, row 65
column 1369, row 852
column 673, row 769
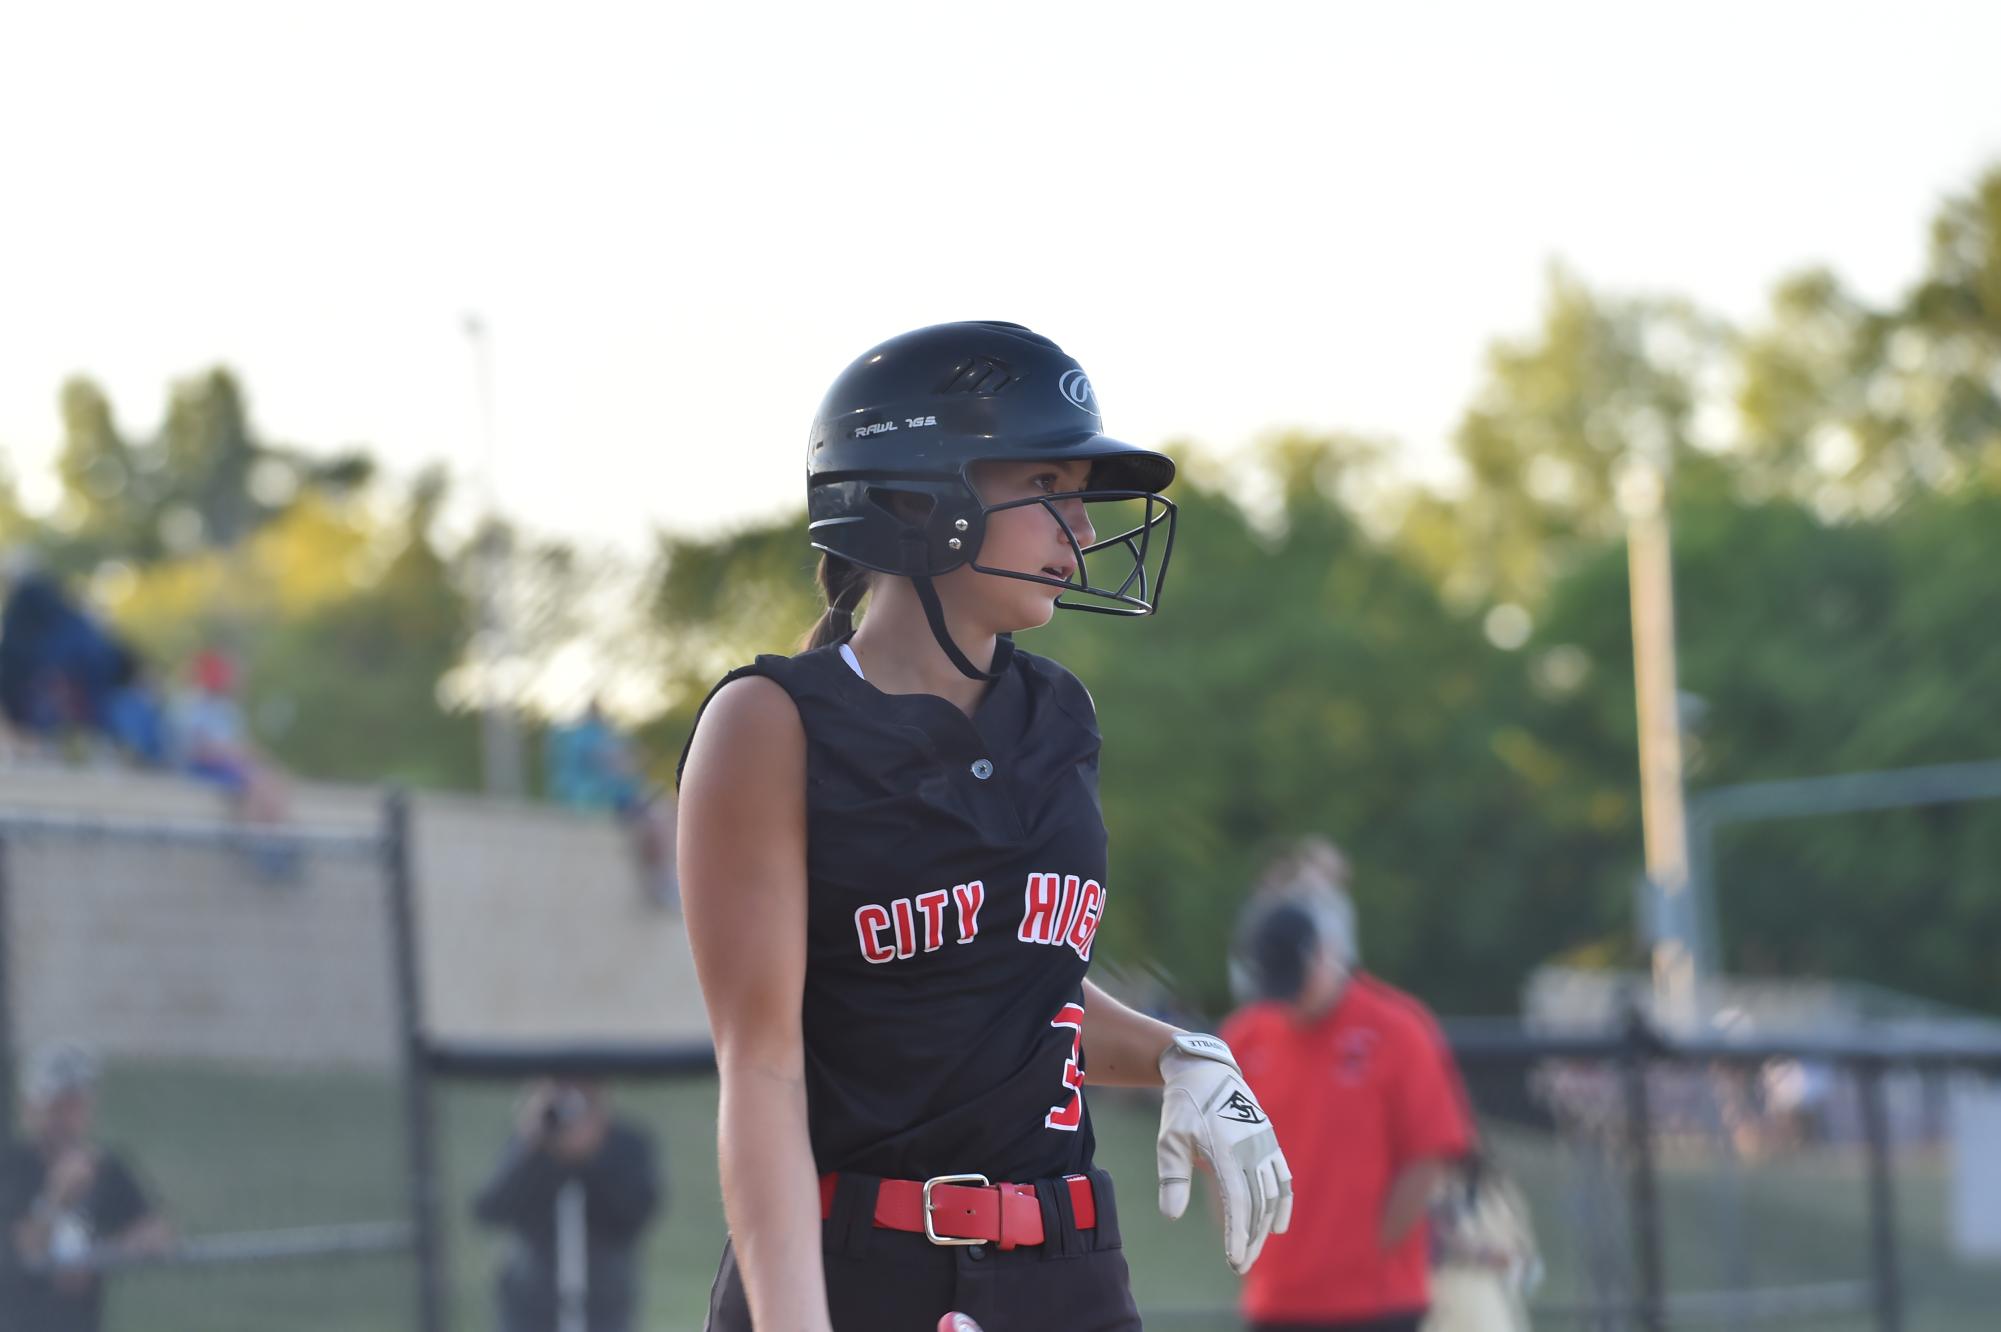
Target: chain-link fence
column 234, row 990
column 316, row 1071
column 1671, row 1185
column 1739, row 1184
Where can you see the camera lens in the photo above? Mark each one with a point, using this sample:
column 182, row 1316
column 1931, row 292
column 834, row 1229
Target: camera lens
column 566, row 1107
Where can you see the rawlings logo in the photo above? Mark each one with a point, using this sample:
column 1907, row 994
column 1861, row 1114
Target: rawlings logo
column 1241, row 1108
column 1077, row 389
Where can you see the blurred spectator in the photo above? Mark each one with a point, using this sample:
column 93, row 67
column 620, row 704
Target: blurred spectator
column 576, row 1187
column 213, row 741
column 1372, row 1114
column 1311, row 870
column 1797, row 1095
column 63, row 675
column 66, row 1204
column 592, row 767
column 1484, row 1258
column 43, row 672
column 133, row 715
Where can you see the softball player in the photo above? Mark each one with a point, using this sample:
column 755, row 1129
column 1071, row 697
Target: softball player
column 894, row 868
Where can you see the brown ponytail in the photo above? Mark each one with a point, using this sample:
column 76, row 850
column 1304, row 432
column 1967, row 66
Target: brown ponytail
column 845, row 583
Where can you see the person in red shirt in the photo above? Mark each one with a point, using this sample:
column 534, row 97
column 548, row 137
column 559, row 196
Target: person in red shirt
column 1360, row 1076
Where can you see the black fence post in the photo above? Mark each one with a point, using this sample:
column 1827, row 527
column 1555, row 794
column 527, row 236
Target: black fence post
column 1882, row 1201
column 8, row 1082
column 1645, row 1185
column 419, row 1123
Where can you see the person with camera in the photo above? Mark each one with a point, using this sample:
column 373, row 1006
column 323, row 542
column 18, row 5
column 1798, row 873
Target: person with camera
column 69, row 1206
column 576, row 1187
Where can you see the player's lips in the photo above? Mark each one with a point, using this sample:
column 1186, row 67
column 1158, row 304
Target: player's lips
column 1060, row 572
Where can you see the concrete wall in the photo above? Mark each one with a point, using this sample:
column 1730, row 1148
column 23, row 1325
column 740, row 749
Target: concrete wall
column 535, row 927
column 532, row 926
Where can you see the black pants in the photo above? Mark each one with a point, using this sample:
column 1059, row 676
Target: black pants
column 1387, row 1323
column 895, row 1281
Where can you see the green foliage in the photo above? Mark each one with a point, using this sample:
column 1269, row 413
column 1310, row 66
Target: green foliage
column 1322, row 664
column 1890, row 634
column 1311, row 674
column 357, row 680
column 727, row 600
column 1856, row 408
column 1601, row 386
column 346, row 617
column 720, row 603
column 1303, row 680
column 15, row 525
column 205, row 481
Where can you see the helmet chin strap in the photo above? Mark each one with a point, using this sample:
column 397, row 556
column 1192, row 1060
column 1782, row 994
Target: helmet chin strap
column 934, row 614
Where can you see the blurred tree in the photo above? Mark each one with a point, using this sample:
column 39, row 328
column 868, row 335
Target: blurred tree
column 209, row 456
column 346, row 623
column 579, row 629
column 1855, row 409
column 1857, row 646
column 205, row 482
column 16, row 527
column 1303, row 678
column 356, row 683
column 723, row 601
column 1954, row 403
column 103, row 506
column 1336, row 655
column 1603, row 383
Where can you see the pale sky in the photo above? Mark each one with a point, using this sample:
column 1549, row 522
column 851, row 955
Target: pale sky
column 680, row 222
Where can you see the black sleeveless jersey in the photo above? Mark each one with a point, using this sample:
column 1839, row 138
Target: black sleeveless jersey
column 955, row 880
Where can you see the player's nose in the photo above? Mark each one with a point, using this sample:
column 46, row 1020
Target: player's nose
column 1074, row 516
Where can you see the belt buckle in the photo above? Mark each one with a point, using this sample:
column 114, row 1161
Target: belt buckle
column 931, row 1231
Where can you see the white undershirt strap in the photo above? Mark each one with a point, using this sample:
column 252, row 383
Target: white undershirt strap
column 848, row 655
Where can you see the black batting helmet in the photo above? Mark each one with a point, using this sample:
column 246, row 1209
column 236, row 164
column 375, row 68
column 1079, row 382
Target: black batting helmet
column 910, row 417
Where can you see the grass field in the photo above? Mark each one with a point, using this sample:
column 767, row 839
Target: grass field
column 237, row 1152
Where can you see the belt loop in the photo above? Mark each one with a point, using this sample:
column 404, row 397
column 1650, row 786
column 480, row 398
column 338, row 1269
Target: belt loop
column 1059, row 1220
column 853, row 1222
column 1105, row 1234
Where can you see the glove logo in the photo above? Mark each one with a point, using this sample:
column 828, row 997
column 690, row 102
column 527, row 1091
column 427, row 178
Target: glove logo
column 1241, row 1108
column 1077, row 389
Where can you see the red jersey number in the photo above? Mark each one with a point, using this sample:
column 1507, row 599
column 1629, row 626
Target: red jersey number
column 1070, row 1115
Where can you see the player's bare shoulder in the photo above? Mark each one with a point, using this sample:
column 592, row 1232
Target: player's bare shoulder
column 748, row 733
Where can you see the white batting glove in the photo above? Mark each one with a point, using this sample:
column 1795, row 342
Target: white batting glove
column 1208, row 1108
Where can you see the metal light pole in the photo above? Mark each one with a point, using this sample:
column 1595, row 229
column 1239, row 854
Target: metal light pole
column 499, row 735
column 1650, row 573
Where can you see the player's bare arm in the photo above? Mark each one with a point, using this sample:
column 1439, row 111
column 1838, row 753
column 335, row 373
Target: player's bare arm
column 743, row 875
column 1409, row 1197
column 1122, row 1046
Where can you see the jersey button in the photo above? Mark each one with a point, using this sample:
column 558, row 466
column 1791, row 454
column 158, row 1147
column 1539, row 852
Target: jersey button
column 983, row 768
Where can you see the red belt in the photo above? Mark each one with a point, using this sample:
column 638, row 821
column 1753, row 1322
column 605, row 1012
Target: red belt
column 967, row 1209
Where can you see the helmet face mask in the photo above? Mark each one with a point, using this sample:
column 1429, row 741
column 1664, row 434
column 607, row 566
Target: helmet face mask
column 930, row 528
column 1138, row 560
column 889, row 468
